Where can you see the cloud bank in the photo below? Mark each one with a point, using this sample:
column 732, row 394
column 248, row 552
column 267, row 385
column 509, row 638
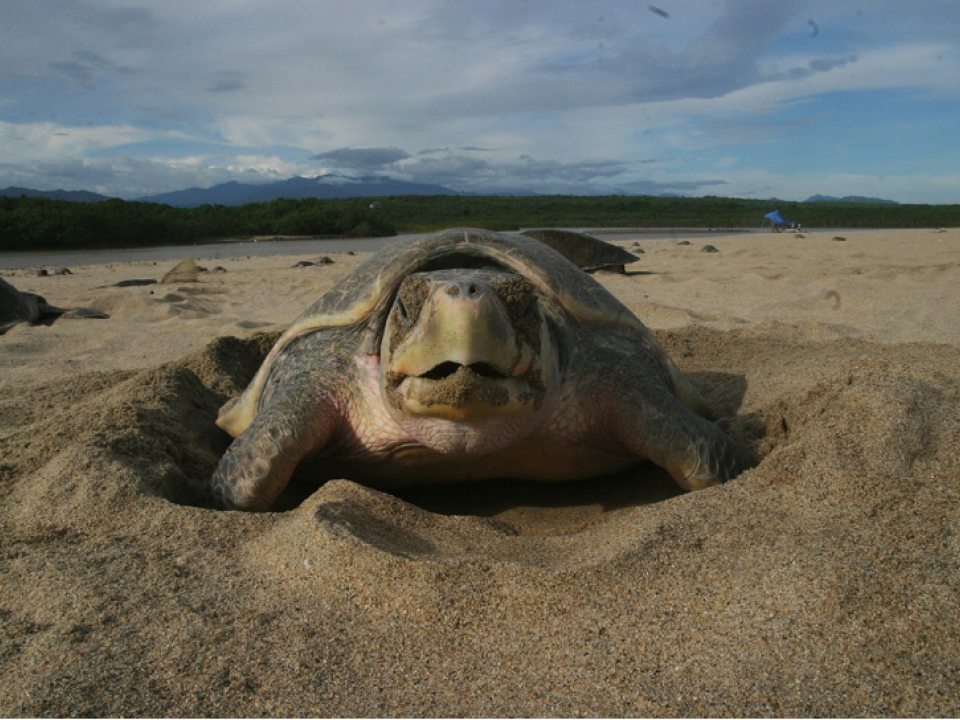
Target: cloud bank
column 559, row 96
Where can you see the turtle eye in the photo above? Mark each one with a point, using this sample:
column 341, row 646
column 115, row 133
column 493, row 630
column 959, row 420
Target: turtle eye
column 517, row 294
column 410, row 299
column 402, row 313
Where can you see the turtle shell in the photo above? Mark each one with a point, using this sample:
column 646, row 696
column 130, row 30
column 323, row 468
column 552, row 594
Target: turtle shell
column 366, row 295
column 15, row 307
column 584, row 250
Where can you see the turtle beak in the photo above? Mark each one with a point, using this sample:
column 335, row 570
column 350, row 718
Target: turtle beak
column 462, row 323
column 461, row 358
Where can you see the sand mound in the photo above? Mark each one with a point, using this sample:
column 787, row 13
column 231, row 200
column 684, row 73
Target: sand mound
column 186, row 270
column 149, row 304
column 821, row 582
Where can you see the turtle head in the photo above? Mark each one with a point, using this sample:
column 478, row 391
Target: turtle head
column 468, row 347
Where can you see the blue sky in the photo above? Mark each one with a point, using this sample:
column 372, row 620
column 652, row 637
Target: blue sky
column 696, row 97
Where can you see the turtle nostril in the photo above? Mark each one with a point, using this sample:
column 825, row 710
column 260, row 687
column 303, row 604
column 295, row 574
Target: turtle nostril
column 455, row 289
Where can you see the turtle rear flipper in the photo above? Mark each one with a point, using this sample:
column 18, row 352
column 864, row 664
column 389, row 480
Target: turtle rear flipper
column 258, row 464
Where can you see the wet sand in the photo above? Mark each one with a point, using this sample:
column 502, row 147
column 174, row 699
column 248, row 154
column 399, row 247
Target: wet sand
column 824, row 581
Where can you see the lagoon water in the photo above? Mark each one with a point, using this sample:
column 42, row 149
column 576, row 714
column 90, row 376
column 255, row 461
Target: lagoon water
column 205, row 251
column 250, row 248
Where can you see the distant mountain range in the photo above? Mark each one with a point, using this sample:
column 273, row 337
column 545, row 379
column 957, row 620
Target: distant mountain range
column 234, row 193
column 296, row 188
column 325, row 186
column 850, row 198
column 72, row 195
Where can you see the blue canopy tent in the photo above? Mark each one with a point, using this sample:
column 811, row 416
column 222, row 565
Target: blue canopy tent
column 778, row 222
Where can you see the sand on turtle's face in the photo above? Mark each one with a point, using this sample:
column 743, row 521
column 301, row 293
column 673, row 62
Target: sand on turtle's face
column 822, row 582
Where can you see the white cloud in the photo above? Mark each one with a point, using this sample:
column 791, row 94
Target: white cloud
column 257, row 130
column 588, row 91
column 130, row 177
column 363, row 158
column 24, row 142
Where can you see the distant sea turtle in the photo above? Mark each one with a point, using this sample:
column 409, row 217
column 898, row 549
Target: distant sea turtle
column 23, row 307
column 466, row 355
column 585, row 250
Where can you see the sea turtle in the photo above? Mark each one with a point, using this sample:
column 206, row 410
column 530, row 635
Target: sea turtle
column 466, row 355
column 585, row 250
column 24, row 307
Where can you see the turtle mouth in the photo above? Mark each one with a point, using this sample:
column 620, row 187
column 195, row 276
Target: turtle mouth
column 449, row 368
column 469, row 392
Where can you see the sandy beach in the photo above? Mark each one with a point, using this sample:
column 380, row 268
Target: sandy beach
column 824, row 581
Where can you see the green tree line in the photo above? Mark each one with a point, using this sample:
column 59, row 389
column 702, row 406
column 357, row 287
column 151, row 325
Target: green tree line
column 419, row 213
column 28, row 223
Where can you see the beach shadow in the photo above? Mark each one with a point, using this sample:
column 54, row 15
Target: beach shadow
column 642, row 485
column 550, row 508
column 519, row 507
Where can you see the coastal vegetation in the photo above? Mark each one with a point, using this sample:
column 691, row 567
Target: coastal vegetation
column 28, row 223
column 32, row 223
column 419, row 213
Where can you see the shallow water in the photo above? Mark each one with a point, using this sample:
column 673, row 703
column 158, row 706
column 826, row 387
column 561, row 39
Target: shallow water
column 205, row 251
column 250, row 248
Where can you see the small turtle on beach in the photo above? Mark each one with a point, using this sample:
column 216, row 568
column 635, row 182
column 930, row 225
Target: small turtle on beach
column 24, row 307
column 585, row 250
column 466, row 355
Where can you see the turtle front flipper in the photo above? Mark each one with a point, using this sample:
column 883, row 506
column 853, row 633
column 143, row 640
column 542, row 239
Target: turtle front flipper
column 696, row 452
column 258, row 464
